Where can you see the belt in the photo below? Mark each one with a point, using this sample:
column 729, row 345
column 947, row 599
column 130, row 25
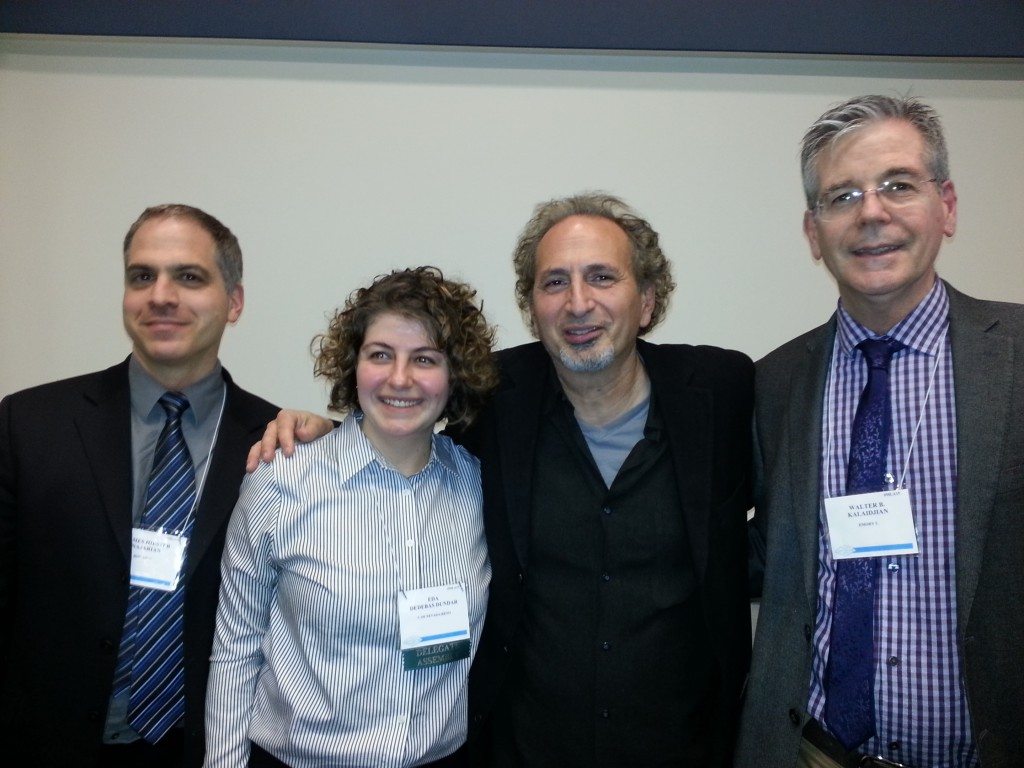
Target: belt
column 833, row 750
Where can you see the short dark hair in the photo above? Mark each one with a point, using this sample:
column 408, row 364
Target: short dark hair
column 853, row 114
column 448, row 313
column 228, row 251
column 650, row 266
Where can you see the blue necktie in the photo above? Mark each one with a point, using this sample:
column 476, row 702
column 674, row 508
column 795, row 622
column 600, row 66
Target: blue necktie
column 157, row 700
column 850, row 675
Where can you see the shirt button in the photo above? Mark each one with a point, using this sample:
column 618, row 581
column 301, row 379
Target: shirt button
column 606, row 510
column 893, row 661
column 894, row 745
column 606, row 577
column 605, row 714
column 606, row 646
column 408, row 542
column 894, row 567
column 794, row 717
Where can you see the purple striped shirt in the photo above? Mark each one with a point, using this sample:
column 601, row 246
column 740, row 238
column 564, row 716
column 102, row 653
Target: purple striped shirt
column 921, row 714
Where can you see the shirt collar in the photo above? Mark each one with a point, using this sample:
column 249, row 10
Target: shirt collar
column 921, row 330
column 204, row 397
column 555, row 397
column 359, row 451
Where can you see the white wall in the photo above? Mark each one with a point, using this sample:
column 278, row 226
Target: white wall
column 333, row 164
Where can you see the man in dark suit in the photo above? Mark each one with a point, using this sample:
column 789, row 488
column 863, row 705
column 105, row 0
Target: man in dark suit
column 75, row 463
column 942, row 630
column 615, row 496
column 615, row 480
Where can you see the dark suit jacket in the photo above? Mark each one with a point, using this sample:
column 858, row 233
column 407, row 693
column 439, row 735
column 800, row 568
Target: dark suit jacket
column 705, row 395
column 65, row 549
column 987, row 340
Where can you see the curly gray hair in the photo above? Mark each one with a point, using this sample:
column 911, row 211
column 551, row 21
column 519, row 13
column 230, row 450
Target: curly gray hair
column 651, row 268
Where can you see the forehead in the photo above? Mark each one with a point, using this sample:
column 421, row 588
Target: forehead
column 582, row 241
column 395, row 329
column 871, row 152
column 173, row 239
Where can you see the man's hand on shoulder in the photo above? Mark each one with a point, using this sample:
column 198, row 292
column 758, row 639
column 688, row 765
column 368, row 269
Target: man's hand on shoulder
column 283, row 432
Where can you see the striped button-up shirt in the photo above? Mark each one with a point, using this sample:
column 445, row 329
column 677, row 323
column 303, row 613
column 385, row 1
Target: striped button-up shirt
column 921, row 714
column 306, row 659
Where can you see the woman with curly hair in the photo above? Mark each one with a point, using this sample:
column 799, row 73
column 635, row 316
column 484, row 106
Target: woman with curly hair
column 355, row 572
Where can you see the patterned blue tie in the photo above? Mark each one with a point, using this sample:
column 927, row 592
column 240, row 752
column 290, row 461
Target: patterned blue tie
column 850, row 675
column 157, row 700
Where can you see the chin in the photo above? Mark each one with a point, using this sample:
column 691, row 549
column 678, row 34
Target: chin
column 577, row 362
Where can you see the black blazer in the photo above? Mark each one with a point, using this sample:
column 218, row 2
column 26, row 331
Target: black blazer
column 706, row 396
column 65, row 550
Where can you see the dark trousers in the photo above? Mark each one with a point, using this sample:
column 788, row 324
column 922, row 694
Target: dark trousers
column 260, row 758
column 166, row 753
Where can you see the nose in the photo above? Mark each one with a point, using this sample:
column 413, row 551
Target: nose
column 399, row 374
column 872, row 208
column 164, row 291
column 580, row 301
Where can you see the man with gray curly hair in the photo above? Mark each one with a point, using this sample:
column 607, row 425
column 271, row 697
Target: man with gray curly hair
column 889, row 445
column 615, row 495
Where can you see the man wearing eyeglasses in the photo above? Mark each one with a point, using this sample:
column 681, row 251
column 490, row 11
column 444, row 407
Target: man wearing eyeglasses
column 889, row 470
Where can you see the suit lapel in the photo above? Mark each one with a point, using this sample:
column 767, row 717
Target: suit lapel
column 982, row 373
column 805, row 412
column 220, row 489
column 687, row 417
column 517, row 416
column 103, row 424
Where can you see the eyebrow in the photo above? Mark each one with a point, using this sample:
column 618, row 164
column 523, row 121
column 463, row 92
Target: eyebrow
column 898, row 170
column 385, row 345
column 594, row 267
column 183, row 267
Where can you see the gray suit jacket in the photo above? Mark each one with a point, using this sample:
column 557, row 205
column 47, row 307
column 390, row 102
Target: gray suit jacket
column 987, row 340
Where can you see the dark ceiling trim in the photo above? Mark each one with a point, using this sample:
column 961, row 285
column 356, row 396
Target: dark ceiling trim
column 930, row 28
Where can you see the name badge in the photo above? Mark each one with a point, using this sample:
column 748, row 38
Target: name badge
column 871, row 525
column 157, row 559
column 434, row 626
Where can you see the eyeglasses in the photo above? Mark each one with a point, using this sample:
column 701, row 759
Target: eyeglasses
column 900, row 192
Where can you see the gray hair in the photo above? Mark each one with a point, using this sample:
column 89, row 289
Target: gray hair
column 228, row 251
column 650, row 266
column 843, row 119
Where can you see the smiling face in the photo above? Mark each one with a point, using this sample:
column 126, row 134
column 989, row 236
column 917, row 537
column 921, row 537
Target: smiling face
column 403, row 382
column 587, row 307
column 882, row 258
column 175, row 302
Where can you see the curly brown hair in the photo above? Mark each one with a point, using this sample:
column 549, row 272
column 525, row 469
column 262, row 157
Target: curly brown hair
column 451, row 318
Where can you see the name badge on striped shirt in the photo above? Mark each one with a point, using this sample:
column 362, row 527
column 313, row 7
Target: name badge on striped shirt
column 157, row 559
column 871, row 525
column 434, row 625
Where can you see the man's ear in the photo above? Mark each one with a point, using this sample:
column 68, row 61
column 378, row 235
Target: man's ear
column 236, row 301
column 948, row 194
column 811, row 233
column 647, row 303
